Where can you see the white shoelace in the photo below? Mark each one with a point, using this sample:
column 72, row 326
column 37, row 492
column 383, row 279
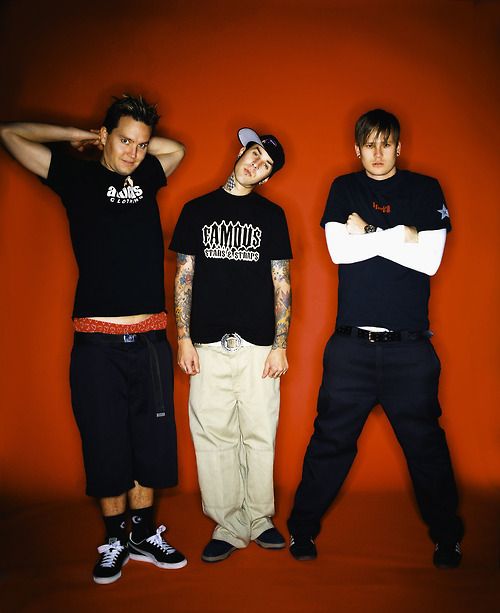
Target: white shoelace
column 111, row 552
column 157, row 541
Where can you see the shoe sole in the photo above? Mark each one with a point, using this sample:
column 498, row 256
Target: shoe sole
column 304, row 558
column 265, row 545
column 219, row 558
column 107, row 580
column 447, row 566
column 143, row 557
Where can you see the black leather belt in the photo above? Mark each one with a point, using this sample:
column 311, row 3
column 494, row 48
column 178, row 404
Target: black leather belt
column 382, row 337
column 106, row 339
column 147, row 338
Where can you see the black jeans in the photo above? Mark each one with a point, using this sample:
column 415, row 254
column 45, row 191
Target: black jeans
column 403, row 377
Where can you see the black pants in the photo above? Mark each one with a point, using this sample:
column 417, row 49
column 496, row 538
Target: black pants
column 122, row 396
column 403, row 377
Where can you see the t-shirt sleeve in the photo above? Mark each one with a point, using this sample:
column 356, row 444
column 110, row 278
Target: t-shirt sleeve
column 63, row 171
column 430, row 209
column 184, row 236
column 281, row 248
column 335, row 209
column 155, row 173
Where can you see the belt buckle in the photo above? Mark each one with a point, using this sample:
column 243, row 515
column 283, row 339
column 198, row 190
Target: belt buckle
column 129, row 338
column 231, row 341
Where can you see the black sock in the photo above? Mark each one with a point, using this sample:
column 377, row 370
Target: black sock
column 142, row 523
column 116, row 527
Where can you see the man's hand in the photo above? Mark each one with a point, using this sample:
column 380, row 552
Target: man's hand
column 355, row 224
column 276, row 364
column 411, row 234
column 80, row 144
column 26, row 142
column 187, row 357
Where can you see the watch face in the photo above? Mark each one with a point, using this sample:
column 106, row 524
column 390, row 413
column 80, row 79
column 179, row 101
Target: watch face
column 370, row 228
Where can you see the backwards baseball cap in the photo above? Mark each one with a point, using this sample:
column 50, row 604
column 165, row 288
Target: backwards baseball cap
column 270, row 143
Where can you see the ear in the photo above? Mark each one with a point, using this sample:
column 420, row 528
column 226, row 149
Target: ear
column 357, row 150
column 103, row 135
column 398, row 149
column 241, row 152
column 264, row 181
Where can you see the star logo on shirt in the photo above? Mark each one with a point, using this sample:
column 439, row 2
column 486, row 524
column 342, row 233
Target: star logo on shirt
column 444, row 212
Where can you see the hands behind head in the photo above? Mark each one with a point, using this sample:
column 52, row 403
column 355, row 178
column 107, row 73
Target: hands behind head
column 92, row 140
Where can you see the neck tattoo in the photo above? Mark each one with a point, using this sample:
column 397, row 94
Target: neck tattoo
column 230, row 183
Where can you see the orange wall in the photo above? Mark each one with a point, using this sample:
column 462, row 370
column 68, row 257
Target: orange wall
column 305, row 71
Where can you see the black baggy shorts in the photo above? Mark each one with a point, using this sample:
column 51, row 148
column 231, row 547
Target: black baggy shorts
column 122, row 396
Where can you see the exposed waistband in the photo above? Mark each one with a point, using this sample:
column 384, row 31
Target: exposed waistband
column 157, row 321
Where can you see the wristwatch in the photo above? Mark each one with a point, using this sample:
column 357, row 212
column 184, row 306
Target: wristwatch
column 370, row 228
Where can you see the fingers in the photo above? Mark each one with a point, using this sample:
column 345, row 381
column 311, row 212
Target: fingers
column 355, row 224
column 273, row 373
column 189, row 368
column 190, row 364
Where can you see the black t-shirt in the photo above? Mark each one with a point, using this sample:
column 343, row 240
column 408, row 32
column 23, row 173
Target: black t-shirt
column 377, row 291
column 116, row 234
column 233, row 239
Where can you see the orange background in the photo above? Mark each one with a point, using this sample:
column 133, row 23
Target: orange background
column 304, row 71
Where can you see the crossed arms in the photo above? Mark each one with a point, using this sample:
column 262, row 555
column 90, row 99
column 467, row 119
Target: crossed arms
column 187, row 357
column 420, row 251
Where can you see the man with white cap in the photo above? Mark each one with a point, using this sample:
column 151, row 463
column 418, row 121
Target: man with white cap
column 233, row 306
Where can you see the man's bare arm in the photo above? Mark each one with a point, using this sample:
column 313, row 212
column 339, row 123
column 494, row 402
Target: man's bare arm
column 187, row 356
column 277, row 363
column 280, row 270
column 169, row 152
column 25, row 141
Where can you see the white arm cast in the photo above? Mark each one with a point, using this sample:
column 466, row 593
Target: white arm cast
column 423, row 256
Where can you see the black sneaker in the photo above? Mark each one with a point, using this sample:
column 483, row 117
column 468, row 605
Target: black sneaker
column 447, row 555
column 156, row 551
column 109, row 566
column 271, row 539
column 217, row 550
column 303, row 548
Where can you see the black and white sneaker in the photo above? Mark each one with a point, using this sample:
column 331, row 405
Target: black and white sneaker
column 113, row 555
column 447, row 555
column 303, row 548
column 156, row 551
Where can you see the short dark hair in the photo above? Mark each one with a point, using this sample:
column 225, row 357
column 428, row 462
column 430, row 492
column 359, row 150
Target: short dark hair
column 131, row 106
column 378, row 120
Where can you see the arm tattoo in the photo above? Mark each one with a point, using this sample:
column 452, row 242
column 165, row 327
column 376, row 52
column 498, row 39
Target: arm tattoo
column 183, row 294
column 280, row 270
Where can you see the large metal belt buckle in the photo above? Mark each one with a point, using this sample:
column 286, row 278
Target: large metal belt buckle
column 231, row 341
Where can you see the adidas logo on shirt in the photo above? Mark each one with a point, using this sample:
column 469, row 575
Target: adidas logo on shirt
column 130, row 194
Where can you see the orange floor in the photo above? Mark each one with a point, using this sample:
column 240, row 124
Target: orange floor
column 373, row 557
